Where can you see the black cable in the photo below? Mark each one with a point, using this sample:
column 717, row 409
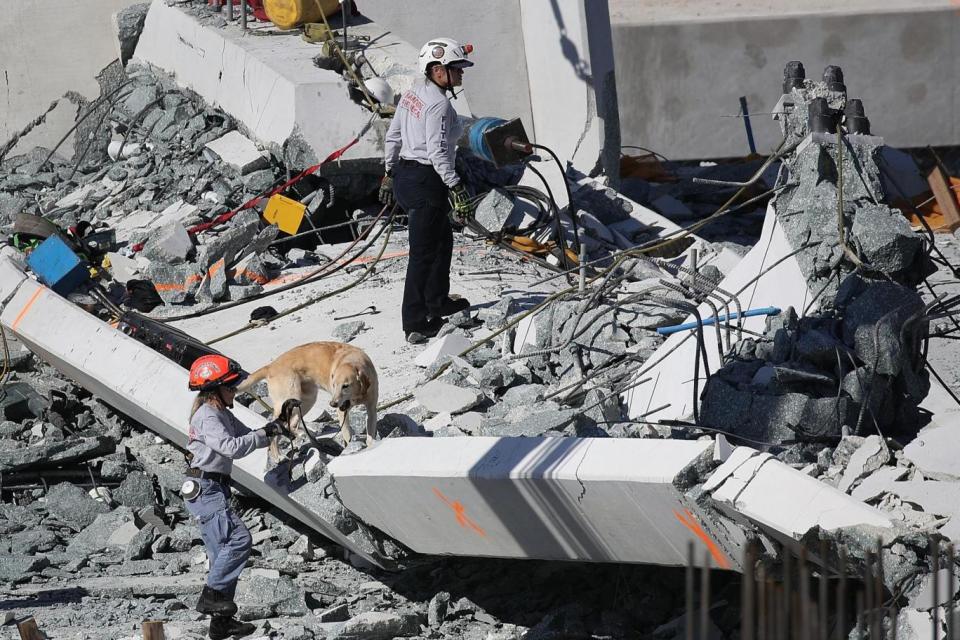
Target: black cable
column 561, row 239
column 566, row 185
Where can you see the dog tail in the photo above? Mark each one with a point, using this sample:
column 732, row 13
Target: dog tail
column 254, row 378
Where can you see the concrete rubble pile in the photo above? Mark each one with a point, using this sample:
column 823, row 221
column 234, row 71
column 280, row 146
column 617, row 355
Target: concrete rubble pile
column 160, row 164
column 88, row 497
column 101, row 540
column 852, row 359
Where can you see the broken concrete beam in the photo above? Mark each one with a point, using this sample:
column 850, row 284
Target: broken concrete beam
column 741, row 485
column 140, row 383
column 599, row 500
column 238, row 151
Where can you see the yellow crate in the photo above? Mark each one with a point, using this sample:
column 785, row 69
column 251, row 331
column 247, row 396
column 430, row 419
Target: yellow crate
column 285, row 213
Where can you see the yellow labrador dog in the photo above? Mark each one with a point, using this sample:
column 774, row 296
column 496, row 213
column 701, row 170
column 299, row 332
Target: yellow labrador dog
column 342, row 370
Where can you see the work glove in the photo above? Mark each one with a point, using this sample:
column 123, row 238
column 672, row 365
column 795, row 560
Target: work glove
column 386, row 189
column 273, row 428
column 461, row 209
column 287, row 409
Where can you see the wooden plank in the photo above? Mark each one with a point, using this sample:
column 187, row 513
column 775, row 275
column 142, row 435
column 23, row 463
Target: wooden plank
column 29, row 631
column 153, row 630
column 946, row 199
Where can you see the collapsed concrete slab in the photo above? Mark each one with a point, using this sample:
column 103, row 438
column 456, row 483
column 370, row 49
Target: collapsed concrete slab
column 271, row 84
column 142, row 384
column 743, row 486
column 597, row 500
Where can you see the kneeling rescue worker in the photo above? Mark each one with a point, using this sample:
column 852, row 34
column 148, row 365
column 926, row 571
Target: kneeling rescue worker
column 419, row 159
column 217, row 438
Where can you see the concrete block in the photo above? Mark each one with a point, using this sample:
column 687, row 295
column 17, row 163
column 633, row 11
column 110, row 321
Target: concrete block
column 878, row 483
column 941, row 498
column 127, row 24
column 238, row 151
column 122, row 535
column 122, row 268
column 599, row 500
column 440, row 397
column 172, row 245
column 494, row 210
column 922, row 598
column 144, row 385
column 178, row 211
column 440, row 349
column 174, row 284
column 869, row 456
column 251, row 270
column 743, row 484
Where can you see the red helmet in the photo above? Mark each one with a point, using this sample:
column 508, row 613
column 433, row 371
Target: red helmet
column 212, row 371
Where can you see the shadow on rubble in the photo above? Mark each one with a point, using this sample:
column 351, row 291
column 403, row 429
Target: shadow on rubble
column 559, row 599
column 52, row 597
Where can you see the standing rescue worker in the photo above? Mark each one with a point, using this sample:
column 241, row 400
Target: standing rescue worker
column 217, row 438
column 419, row 157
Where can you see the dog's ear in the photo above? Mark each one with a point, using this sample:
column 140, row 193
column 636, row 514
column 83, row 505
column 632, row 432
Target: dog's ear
column 364, row 382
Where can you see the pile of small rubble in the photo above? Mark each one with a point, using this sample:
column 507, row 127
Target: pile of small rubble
column 98, row 540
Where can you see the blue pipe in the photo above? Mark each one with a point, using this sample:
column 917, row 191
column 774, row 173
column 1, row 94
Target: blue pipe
column 475, row 136
column 763, row 311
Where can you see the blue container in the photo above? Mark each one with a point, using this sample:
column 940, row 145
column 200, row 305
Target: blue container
column 58, row 266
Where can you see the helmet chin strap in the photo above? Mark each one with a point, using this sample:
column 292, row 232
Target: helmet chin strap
column 449, row 87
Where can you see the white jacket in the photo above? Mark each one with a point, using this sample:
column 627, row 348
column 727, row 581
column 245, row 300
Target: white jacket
column 425, row 129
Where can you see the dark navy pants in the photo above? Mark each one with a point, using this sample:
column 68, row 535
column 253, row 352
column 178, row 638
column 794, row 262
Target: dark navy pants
column 224, row 535
column 423, row 196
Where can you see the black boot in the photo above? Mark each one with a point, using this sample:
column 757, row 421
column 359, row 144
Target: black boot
column 216, row 603
column 222, row 628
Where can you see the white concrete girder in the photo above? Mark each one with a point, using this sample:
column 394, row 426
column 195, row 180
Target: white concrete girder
column 586, row 499
column 270, row 84
column 137, row 381
column 784, row 501
column 669, row 370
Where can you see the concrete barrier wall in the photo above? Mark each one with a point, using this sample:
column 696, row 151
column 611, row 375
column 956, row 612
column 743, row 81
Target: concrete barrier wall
column 677, row 79
column 49, row 47
column 497, row 85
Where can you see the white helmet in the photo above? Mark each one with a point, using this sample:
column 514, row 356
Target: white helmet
column 445, row 51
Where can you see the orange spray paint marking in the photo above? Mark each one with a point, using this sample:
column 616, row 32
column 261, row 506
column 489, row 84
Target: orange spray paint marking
column 687, row 520
column 26, row 307
column 461, row 513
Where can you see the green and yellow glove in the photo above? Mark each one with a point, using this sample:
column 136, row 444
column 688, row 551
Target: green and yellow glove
column 461, row 209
